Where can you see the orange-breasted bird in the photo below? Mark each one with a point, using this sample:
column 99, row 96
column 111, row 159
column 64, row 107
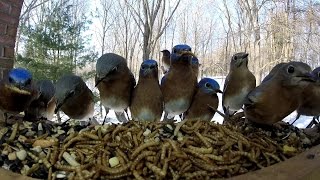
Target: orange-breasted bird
column 310, row 102
column 74, row 97
column 239, row 82
column 115, row 83
column 278, row 96
column 165, row 60
column 43, row 107
column 179, row 84
column 17, row 91
column 205, row 98
column 147, row 100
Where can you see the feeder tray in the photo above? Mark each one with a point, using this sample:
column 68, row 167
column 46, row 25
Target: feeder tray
column 138, row 150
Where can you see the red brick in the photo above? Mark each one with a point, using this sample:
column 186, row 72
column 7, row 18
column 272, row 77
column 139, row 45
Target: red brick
column 6, row 63
column 15, row 11
column 7, row 40
column 17, row 3
column 11, row 31
column 3, row 28
column 8, row 52
column 5, row 6
column 9, row 19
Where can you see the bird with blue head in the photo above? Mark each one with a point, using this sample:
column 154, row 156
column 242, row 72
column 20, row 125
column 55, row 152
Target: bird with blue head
column 310, row 101
column 204, row 100
column 147, row 100
column 17, row 91
column 179, row 84
column 115, row 83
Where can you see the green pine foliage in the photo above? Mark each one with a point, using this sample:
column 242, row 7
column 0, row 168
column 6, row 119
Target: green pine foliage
column 56, row 45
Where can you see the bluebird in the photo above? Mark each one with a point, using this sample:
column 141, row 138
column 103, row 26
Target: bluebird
column 74, row 97
column 179, row 84
column 310, row 105
column 205, row 96
column 115, row 82
column 17, row 91
column 277, row 97
column 44, row 105
column 165, row 60
column 195, row 66
column 147, row 100
column 239, row 82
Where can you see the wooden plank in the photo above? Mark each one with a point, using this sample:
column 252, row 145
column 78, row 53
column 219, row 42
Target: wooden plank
column 304, row 166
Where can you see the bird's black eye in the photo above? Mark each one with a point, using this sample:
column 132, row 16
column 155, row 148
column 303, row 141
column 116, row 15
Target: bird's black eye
column 175, row 51
column 290, row 69
column 71, row 93
column 235, row 58
column 115, row 69
column 28, row 82
column 207, row 85
column 142, row 67
column 11, row 80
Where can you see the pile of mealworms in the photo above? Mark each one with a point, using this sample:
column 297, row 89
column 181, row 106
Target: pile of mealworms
column 140, row 150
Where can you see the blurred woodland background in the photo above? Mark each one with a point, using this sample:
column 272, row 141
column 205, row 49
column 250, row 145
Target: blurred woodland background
column 60, row 36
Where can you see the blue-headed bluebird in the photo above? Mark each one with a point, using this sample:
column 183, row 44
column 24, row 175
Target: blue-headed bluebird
column 205, row 98
column 17, row 91
column 74, row 97
column 278, row 96
column 239, row 82
column 115, row 82
column 44, row 105
column 165, row 60
column 147, row 100
column 310, row 103
column 179, row 84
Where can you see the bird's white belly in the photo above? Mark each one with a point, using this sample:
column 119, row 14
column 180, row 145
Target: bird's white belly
column 177, row 107
column 114, row 104
column 146, row 115
column 235, row 102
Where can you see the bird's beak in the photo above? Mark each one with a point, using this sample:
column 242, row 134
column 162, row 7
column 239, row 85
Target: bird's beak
column 187, row 53
column 307, row 77
column 218, row 91
column 58, row 106
column 98, row 81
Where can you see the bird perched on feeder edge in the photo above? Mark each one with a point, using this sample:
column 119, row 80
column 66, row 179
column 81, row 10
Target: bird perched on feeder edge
column 277, row 97
column 147, row 100
column 74, row 97
column 239, row 82
column 17, row 91
column 205, row 98
column 310, row 102
column 44, row 105
column 179, row 84
column 115, row 83
column 165, row 60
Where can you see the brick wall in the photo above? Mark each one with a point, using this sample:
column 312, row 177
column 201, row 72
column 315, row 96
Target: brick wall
column 9, row 20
